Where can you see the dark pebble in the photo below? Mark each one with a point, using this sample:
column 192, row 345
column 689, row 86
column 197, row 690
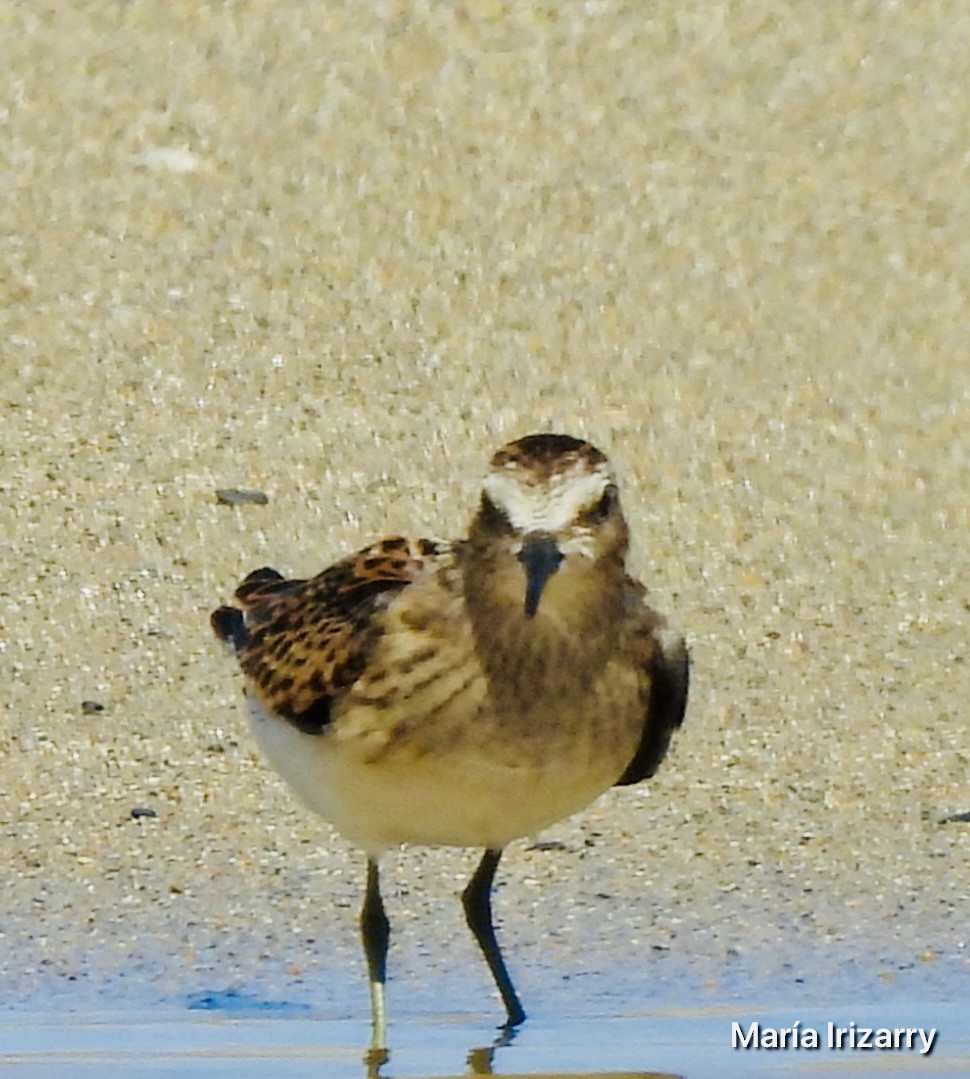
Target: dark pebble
column 142, row 811
column 232, row 496
column 91, row 708
column 547, row 845
column 957, row 817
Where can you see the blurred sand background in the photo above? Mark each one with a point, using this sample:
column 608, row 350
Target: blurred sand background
column 339, row 252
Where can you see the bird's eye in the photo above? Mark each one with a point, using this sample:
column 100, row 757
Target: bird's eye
column 608, row 502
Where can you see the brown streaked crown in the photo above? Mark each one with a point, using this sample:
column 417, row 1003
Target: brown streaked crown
column 547, row 453
column 544, row 483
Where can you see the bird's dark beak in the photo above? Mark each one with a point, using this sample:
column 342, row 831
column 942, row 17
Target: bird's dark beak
column 541, row 557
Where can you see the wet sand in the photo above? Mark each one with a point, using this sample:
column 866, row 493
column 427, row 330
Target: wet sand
column 338, row 254
column 664, row 1045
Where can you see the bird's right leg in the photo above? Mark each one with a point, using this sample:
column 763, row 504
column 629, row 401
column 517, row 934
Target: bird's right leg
column 375, row 931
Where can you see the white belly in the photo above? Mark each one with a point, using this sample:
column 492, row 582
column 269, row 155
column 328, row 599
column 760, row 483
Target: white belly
column 458, row 797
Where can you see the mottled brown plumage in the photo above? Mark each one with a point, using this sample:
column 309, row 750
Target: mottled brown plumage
column 300, row 642
column 466, row 693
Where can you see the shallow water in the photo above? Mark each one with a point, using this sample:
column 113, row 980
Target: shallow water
column 217, row 1043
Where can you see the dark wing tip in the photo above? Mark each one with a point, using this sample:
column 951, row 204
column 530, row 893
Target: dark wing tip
column 229, row 625
column 669, row 672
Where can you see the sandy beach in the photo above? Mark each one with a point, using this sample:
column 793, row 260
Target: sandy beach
column 338, row 254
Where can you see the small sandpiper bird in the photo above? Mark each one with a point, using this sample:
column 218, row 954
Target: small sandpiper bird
column 466, row 694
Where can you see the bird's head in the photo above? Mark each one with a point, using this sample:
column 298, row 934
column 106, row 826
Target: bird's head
column 550, row 518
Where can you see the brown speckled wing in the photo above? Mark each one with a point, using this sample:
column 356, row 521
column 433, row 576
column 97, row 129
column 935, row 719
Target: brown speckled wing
column 663, row 663
column 300, row 642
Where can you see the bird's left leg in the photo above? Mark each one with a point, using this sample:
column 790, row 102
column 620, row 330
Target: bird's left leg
column 477, row 901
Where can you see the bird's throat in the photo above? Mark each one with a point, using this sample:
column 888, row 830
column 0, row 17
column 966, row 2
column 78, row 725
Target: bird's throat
column 559, row 648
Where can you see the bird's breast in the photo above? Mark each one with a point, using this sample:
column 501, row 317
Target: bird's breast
column 437, row 744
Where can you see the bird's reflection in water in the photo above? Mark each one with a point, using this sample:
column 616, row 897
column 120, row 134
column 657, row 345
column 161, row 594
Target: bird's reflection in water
column 479, row 1059
column 480, row 1062
column 374, row 1060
